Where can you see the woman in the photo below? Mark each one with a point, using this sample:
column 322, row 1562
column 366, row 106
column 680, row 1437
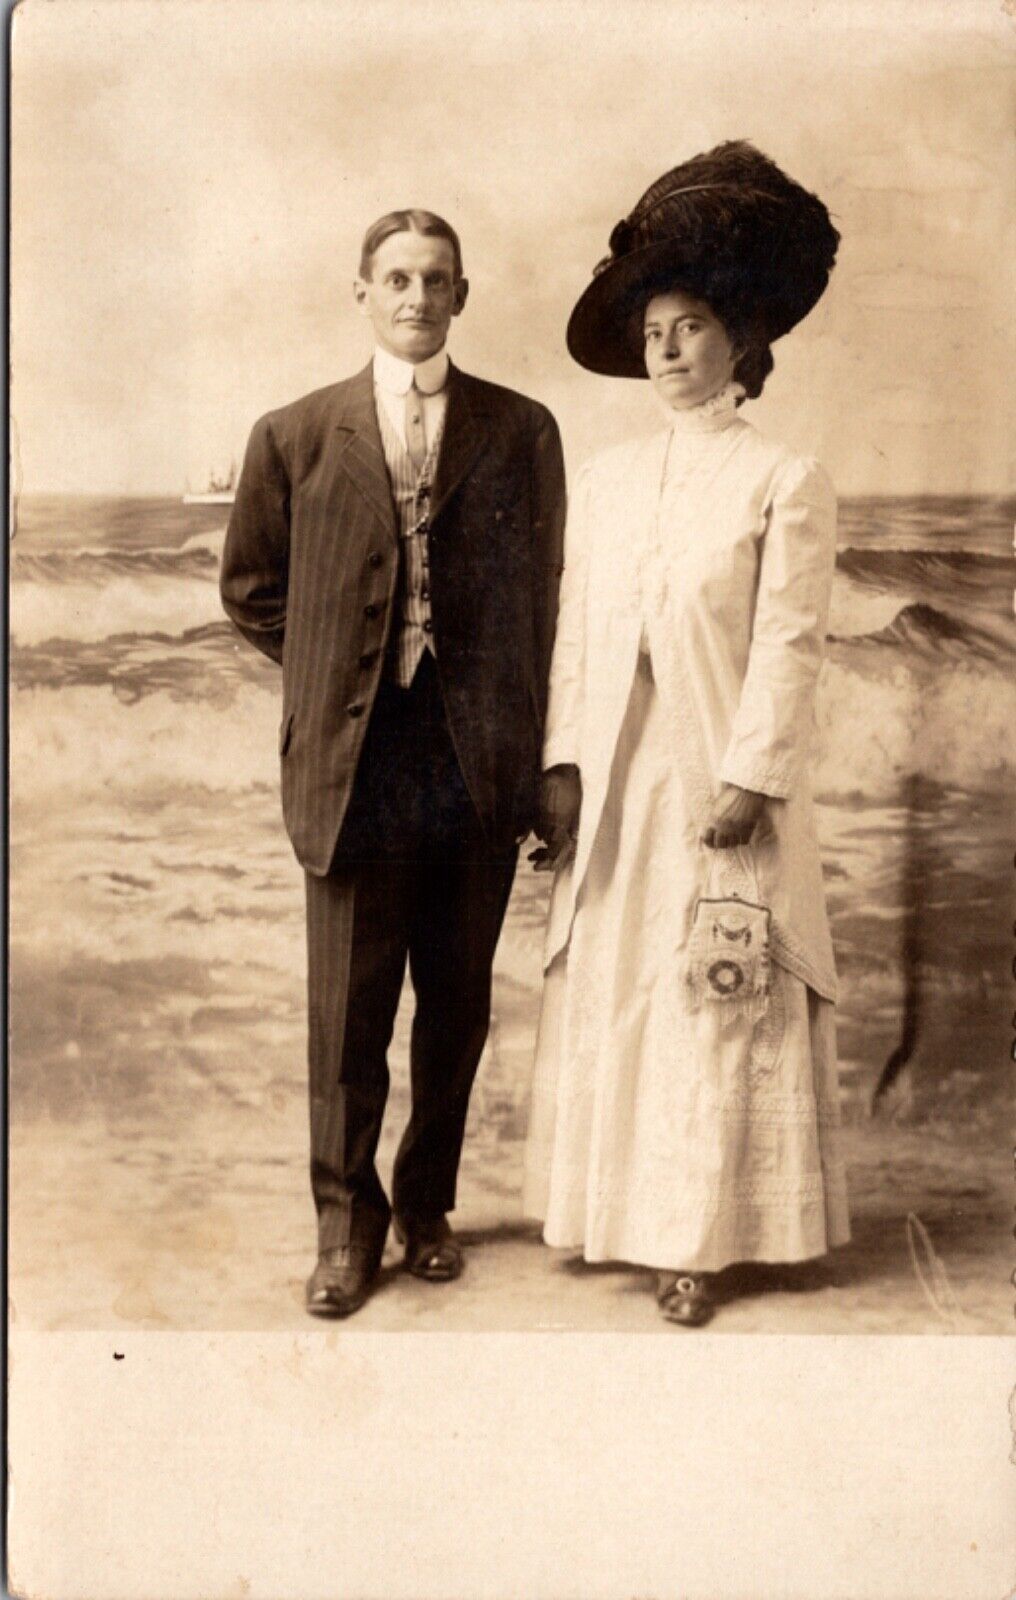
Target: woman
column 685, row 1101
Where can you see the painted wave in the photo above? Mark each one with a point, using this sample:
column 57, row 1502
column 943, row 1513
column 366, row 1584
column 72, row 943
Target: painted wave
column 928, row 634
column 182, row 723
column 203, row 663
column 116, row 624
column 913, row 522
column 881, row 722
column 76, row 610
column 197, row 557
column 175, row 629
column 119, row 594
column 962, row 576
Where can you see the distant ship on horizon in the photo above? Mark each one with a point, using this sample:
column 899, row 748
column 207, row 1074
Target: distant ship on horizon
column 220, row 490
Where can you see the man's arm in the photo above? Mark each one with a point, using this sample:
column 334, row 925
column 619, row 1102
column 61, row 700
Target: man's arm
column 255, row 559
column 561, row 786
column 548, row 544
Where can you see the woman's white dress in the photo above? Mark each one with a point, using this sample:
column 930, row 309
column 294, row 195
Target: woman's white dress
column 662, row 1135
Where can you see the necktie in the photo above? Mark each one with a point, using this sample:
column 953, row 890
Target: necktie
column 416, row 438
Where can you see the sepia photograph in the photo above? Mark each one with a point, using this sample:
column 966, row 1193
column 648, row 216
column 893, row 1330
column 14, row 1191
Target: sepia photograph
column 511, row 681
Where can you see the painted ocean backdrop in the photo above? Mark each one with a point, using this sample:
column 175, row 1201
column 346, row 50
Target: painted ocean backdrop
column 157, row 954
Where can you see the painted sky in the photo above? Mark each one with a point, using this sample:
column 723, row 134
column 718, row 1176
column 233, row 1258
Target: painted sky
column 191, row 179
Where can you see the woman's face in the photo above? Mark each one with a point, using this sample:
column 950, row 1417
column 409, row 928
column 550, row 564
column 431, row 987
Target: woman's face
column 689, row 355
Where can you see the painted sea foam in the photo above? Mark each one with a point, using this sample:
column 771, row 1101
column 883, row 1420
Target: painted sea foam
column 157, row 919
column 116, row 625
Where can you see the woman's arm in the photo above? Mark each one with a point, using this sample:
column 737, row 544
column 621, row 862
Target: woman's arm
column 561, row 789
column 774, row 718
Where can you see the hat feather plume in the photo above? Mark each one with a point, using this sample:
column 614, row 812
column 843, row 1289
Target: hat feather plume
column 733, row 191
column 727, row 226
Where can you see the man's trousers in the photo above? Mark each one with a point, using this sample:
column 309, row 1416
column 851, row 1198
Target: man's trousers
column 413, row 879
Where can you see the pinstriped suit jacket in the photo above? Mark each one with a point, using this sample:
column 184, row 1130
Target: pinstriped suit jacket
column 309, row 573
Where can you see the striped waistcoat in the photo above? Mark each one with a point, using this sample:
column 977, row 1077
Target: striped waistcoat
column 411, row 625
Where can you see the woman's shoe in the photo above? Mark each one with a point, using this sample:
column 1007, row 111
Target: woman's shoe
column 684, row 1297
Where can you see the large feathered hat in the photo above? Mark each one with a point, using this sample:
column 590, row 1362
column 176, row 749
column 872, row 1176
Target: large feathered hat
column 727, row 227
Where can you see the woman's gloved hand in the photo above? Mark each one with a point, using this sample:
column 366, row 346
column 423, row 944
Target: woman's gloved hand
column 558, row 822
column 734, row 816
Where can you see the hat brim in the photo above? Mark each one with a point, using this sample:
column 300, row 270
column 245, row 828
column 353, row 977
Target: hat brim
column 602, row 333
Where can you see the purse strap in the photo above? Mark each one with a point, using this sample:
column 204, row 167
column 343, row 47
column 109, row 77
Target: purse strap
column 728, row 874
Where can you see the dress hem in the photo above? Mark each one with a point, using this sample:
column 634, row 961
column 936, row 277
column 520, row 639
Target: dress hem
column 707, row 1264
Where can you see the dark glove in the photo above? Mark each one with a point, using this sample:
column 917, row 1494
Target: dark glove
column 733, row 818
column 558, row 821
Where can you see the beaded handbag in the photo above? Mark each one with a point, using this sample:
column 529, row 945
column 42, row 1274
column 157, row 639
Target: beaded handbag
column 728, row 955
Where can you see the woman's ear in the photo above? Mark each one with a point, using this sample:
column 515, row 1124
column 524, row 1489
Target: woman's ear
column 738, row 350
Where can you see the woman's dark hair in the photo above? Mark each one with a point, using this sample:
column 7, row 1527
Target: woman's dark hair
column 755, row 362
column 411, row 221
column 753, row 369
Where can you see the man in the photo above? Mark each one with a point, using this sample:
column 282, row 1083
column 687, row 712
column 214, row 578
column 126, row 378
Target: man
column 396, row 544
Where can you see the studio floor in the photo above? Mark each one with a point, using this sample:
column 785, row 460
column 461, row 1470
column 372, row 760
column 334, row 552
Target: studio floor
column 119, row 1228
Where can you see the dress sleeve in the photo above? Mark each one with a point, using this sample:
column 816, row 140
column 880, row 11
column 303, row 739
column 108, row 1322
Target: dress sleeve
column 567, row 671
column 774, row 719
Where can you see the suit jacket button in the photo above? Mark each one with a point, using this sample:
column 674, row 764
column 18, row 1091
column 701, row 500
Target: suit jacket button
column 428, row 626
column 356, row 709
column 372, row 610
column 368, row 658
column 375, row 558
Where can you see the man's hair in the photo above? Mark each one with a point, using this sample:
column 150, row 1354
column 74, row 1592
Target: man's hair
column 411, row 221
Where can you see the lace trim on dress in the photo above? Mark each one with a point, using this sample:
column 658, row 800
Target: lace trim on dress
column 771, row 1189
column 768, row 1035
column 709, row 416
column 763, row 1110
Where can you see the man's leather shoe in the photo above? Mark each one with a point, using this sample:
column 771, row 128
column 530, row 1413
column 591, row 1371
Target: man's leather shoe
column 341, row 1282
column 432, row 1250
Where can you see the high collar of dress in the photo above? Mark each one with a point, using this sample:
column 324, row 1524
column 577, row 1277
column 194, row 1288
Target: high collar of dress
column 397, row 376
column 709, row 416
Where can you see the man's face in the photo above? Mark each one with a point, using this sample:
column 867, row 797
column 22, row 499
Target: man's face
column 411, row 295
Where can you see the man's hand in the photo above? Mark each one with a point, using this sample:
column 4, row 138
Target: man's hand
column 734, row 815
column 558, row 822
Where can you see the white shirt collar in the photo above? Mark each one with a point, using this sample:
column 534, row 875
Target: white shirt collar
column 396, row 376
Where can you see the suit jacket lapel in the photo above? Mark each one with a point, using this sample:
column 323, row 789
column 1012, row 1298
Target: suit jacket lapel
column 464, row 436
column 362, row 454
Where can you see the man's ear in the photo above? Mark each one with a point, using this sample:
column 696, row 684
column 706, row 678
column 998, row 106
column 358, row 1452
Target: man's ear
column 360, row 296
column 460, row 295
